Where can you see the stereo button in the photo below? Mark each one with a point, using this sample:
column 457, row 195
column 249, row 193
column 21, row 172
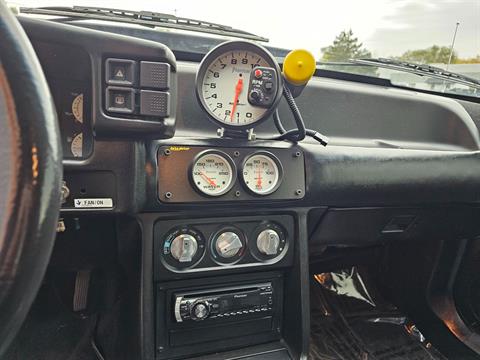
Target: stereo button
column 200, row 311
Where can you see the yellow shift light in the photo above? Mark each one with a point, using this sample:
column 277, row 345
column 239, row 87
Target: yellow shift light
column 299, row 66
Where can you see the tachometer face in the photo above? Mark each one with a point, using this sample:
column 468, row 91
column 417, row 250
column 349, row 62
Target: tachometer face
column 262, row 173
column 223, row 82
column 213, row 173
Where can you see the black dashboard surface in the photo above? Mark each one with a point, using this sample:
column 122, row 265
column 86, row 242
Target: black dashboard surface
column 389, row 146
column 352, row 113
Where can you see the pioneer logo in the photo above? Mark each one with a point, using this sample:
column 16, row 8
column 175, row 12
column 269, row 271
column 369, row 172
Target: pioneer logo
column 239, row 296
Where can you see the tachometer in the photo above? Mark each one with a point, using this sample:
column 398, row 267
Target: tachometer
column 262, row 173
column 238, row 84
column 213, row 173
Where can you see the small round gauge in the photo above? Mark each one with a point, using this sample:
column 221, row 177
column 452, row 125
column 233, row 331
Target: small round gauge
column 223, row 81
column 76, row 147
column 262, row 173
column 77, row 108
column 213, row 173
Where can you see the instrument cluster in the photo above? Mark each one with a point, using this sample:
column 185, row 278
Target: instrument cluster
column 73, row 108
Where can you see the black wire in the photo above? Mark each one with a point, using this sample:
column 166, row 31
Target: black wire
column 278, row 122
column 300, row 132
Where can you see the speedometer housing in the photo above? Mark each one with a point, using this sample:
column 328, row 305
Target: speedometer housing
column 242, row 67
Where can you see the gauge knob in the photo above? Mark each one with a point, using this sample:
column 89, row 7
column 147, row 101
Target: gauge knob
column 255, row 95
column 184, row 247
column 228, row 244
column 268, row 242
column 200, row 311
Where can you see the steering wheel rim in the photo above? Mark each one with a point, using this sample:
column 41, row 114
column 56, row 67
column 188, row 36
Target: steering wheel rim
column 30, row 175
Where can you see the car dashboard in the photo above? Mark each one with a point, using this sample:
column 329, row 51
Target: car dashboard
column 228, row 272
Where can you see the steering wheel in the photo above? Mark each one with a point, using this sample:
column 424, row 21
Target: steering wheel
column 30, row 175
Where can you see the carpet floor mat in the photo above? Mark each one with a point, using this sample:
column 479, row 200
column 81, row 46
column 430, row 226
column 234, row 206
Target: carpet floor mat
column 350, row 321
column 52, row 332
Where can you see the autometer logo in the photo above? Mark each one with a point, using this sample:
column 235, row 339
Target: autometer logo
column 179, row 148
column 239, row 70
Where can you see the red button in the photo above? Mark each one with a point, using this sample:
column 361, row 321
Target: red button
column 258, row 73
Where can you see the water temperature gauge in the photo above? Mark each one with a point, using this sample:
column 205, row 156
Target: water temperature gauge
column 213, row 173
column 262, row 173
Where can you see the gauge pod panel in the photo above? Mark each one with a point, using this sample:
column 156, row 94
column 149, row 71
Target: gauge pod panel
column 193, row 174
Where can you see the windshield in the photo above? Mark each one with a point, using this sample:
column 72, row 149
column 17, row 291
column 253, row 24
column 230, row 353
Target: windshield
column 442, row 33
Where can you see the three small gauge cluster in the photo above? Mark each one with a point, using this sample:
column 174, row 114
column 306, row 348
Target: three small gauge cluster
column 213, row 173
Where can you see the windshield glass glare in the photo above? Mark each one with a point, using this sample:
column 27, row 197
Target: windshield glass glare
column 442, row 33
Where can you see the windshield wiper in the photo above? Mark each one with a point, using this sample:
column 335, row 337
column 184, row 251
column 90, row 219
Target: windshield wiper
column 420, row 69
column 146, row 18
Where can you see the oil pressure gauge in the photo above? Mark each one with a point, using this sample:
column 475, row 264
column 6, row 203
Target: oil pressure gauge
column 213, row 173
column 262, row 173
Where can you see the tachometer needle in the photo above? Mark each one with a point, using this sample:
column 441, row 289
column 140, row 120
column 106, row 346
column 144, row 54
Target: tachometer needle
column 209, row 180
column 238, row 90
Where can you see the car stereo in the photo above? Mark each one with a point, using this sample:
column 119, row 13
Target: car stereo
column 227, row 302
column 201, row 316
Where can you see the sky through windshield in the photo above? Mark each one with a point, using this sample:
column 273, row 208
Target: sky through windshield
column 386, row 27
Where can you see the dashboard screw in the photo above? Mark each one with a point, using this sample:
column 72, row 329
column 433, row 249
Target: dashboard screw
column 167, row 152
column 236, row 153
column 297, row 154
column 237, row 193
column 168, row 194
column 298, row 192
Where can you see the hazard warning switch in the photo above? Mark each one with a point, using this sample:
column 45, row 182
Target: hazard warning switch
column 120, row 72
